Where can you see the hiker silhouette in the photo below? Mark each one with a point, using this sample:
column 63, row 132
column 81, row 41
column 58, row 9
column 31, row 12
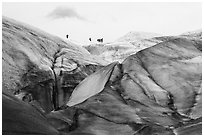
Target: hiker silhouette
column 100, row 40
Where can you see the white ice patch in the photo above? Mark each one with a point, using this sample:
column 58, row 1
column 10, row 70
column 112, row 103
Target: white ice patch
column 91, row 85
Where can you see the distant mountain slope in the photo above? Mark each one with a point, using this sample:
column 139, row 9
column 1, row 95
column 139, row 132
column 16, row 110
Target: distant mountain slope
column 134, row 35
column 194, row 34
column 134, row 42
column 127, row 45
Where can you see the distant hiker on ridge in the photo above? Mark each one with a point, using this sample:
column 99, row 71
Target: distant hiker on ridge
column 89, row 39
column 67, row 36
column 100, row 40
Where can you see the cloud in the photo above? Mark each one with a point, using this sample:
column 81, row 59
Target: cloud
column 65, row 12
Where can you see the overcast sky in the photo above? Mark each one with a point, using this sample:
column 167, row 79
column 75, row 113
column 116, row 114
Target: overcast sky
column 107, row 20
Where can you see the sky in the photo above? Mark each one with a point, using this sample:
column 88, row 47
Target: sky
column 107, row 20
